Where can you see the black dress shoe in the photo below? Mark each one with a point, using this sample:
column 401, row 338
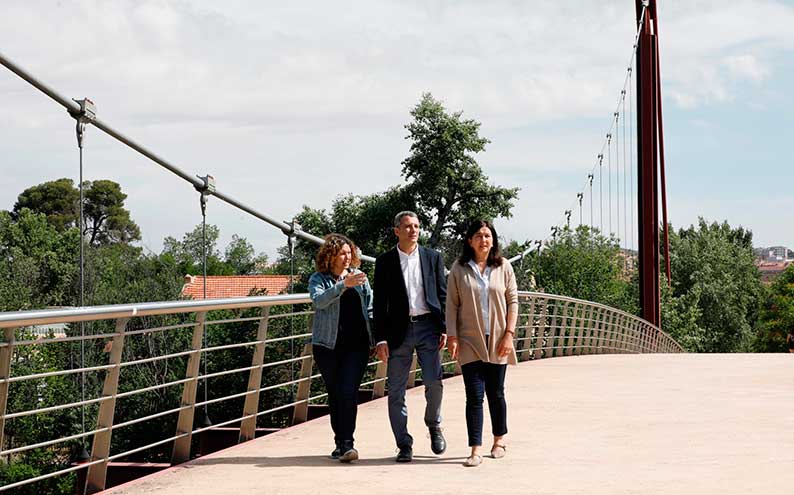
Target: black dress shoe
column 437, row 443
column 406, row 454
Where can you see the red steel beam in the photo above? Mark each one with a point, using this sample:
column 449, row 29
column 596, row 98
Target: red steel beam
column 647, row 153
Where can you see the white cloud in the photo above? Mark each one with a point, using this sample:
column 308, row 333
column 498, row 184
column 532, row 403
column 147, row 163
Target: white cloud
column 266, row 96
column 746, row 66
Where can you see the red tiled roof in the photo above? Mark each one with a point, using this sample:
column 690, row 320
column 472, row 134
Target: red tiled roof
column 221, row 286
column 773, row 266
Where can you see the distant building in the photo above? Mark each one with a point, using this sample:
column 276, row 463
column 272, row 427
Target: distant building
column 775, row 253
column 223, row 286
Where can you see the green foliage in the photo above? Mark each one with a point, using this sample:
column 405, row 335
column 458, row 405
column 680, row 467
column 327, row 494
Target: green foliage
column 187, row 254
column 38, row 263
column 240, row 255
column 58, row 200
column 777, row 314
column 716, row 289
column 444, row 186
column 106, row 219
column 582, row 264
column 449, row 187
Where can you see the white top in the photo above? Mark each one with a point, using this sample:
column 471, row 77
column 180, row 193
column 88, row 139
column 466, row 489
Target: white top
column 412, row 274
column 484, row 281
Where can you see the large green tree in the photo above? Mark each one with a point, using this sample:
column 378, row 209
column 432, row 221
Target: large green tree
column 445, row 180
column 777, row 314
column 38, row 263
column 716, row 291
column 444, row 185
column 242, row 258
column 57, row 200
column 583, row 264
column 106, row 220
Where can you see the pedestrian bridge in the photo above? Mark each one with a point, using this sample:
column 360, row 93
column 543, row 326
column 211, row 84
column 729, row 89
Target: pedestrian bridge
column 639, row 423
column 619, row 409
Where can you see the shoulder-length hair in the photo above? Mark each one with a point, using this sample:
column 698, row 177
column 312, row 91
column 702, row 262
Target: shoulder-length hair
column 494, row 255
column 328, row 251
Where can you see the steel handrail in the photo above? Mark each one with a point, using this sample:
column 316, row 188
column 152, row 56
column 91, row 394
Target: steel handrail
column 554, row 326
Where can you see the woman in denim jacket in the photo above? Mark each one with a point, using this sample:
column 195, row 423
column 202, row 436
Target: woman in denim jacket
column 341, row 336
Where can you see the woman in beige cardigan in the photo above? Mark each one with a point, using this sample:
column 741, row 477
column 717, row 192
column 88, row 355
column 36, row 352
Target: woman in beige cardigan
column 481, row 314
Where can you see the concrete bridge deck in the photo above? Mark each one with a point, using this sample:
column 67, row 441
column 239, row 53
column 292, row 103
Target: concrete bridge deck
column 612, row 424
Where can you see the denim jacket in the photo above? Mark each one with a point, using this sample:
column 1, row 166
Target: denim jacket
column 325, row 293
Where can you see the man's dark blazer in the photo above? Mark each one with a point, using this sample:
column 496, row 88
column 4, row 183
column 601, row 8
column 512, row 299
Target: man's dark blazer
column 390, row 306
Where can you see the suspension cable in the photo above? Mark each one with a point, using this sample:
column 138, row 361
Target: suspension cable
column 607, row 144
column 74, row 108
column 86, row 111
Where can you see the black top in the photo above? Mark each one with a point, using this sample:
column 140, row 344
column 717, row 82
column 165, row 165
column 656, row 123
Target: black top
column 391, row 299
column 352, row 334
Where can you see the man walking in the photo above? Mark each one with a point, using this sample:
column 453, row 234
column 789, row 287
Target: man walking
column 410, row 296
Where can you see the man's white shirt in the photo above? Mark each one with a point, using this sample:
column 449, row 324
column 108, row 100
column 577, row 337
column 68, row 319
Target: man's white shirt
column 412, row 274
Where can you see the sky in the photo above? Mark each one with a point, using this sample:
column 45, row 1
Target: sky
column 292, row 105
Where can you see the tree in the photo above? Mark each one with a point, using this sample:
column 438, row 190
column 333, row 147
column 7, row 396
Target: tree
column 58, row 200
column 446, row 182
column 777, row 314
column 584, row 264
column 716, row 289
column 106, row 221
column 240, row 255
column 38, row 264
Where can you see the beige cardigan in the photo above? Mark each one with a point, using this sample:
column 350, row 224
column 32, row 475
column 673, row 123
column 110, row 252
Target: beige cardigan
column 464, row 314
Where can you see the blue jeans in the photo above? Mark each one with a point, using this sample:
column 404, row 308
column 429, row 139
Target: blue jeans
column 423, row 337
column 481, row 379
column 342, row 372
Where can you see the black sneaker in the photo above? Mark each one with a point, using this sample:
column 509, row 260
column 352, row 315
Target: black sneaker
column 336, row 452
column 406, row 454
column 437, row 443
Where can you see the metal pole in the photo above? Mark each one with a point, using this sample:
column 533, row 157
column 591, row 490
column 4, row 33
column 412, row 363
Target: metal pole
column 107, row 129
column 647, row 171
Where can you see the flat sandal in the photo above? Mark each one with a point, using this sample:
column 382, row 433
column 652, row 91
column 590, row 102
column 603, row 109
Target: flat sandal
column 473, row 460
column 498, row 451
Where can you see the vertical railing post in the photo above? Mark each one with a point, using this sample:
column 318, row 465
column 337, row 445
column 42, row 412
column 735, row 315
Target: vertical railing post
column 541, row 329
column 613, row 341
column 97, row 473
column 184, row 424
column 619, row 334
column 300, row 412
column 580, row 328
column 526, row 343
column 589, row 329
column 564, row 330
column 635, row 336
column 5, row 373
column 251, row 406
column 644, row 338
column 603, row 333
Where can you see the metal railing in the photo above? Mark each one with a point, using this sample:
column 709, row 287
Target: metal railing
column 548, row 326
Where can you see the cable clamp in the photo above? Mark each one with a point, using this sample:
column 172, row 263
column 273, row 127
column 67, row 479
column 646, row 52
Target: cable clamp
column 86, row 115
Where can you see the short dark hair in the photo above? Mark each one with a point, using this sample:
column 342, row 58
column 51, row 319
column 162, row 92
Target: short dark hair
column 398, row 218
column 494, row 256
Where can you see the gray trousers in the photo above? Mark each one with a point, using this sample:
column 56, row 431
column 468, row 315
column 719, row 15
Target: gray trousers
column 423, row 337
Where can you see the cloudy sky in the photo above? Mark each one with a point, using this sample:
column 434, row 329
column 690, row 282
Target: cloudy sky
column 295, row 104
